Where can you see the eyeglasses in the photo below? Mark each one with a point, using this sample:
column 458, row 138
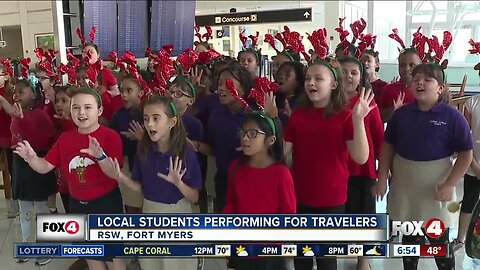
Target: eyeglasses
column 177, row 93
column 251, row 133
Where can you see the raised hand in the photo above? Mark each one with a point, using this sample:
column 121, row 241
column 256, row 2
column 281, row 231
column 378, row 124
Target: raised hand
column 395, row 79
column 94, row 149
column 270, row 103
column 135, row 132
column 175, row 172
column 25, row 151
column 363, row 107
column 196, row 77
column 399, row 101
column 17, row 110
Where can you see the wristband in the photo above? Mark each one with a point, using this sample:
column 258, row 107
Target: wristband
column 102, row 157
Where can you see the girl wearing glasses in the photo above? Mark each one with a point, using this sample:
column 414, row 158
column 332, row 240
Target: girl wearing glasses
column 259, row 182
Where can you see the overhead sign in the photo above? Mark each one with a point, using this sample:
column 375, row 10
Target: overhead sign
column 273, row 16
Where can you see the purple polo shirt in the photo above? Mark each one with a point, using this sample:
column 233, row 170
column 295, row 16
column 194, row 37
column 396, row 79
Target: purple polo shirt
column 193, row 127
column 222, row 136
column 121, row 122
column 430, row 135
column 204, row 107
column 157, row 189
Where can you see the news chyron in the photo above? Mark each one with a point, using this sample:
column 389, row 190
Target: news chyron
column 61, row 228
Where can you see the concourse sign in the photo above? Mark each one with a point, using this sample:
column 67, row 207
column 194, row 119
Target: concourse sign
column 273, row 16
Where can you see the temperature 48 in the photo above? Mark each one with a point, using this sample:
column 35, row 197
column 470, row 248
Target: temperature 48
column 439, row 250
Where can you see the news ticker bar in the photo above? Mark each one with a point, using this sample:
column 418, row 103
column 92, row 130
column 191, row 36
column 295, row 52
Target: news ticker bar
column 227, row 250
column 212, row 228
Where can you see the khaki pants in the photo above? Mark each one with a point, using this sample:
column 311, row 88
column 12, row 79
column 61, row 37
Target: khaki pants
column 181, row 207
column 130, row 197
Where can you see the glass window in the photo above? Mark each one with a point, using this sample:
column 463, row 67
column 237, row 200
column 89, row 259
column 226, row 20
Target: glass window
column 388, row 15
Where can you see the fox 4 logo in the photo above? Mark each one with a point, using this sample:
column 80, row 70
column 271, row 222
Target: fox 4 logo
column 434, row 228
column 70, row 227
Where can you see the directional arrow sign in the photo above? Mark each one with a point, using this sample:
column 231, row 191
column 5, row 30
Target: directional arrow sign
column 273, row 16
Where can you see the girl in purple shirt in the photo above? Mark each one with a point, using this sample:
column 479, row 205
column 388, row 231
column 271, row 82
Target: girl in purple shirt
column 420, row 140
column 166, row 170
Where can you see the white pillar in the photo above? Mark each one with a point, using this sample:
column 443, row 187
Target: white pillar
column 59, row 32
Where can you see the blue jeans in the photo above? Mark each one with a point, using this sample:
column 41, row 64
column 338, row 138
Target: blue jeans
column 27, row 216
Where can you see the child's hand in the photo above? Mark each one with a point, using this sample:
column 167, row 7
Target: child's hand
column 117, row 171
column 444, row 193
column 17, row 110
column 379, row 189
column 94, row 149
column 399, row 102
column 362, row 107
column 395, row 79
column 196, row 77
column 270, row 103
column 25, row 151
column 135, row 132
column 175, row 172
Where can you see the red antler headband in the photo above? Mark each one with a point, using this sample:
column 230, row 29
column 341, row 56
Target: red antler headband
column 91, row 35
column 207, row 36
column 165, row 69
column 8, row 67
column 231, row 87
column 318, row 39
column 46, row 61
column 25, row 63
column 70, row 69
column 475, row 50
column 262, row 86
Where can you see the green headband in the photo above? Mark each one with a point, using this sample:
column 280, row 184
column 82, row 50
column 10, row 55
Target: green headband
column 190, row 84
column 329, row 66
column 287, row 54
column 170, row 104
column 100, row 103
column 269, row 121
column 257, row 54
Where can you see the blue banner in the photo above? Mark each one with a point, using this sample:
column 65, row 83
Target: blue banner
column 189, row 221
column 199, row 250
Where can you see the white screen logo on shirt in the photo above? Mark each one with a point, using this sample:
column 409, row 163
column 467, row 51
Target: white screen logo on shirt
column 80, row 164
column 438, row 123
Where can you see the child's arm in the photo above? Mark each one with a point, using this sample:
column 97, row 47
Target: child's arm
column 202, row 147
column 468, row 116
column 358, row 147
column 175, row 175
column 122, row 178
column 6, row 105
column 445, row 190
column 25, row 151
column 95, row 150
column 385, row 162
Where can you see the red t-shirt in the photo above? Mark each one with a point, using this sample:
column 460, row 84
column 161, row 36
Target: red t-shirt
column 62, row 125
column 36, row 127
column 374, row 129
column 377, row 87
column 108, row 79
column 391, row 92
column 260, row 191
column 5, row 121
column 107, row 105
column 85, row 178
column 49, row 108
column 320, row 155
column 117, row 103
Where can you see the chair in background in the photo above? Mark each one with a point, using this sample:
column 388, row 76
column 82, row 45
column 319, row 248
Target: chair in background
column 460, row 87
